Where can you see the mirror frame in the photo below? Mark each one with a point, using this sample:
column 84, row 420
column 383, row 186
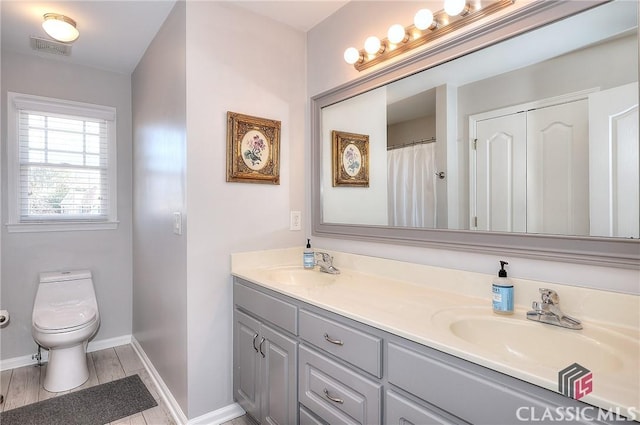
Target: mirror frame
column 601, row 251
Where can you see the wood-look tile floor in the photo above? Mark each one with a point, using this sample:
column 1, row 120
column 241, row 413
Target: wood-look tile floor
column 23, row 386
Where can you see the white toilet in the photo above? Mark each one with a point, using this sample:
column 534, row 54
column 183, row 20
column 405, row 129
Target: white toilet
column 65, row 316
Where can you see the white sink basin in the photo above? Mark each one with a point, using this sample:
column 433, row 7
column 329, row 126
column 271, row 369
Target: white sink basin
column 299, row 276
column 516, row 339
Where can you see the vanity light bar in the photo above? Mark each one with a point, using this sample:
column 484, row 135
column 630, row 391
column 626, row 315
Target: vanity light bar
column 442, row 24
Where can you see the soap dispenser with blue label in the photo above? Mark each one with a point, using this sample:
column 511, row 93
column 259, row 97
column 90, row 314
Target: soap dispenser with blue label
column 308, row 260
column 502, row 289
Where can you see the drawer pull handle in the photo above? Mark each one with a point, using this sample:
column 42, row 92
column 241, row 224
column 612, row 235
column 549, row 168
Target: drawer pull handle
column 254, row 342
column 262, row 342
column 333, row 341
column 334, row 399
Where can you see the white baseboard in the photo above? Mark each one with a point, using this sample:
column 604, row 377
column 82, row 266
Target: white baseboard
column 16, row 362
column 172, row 404
column 216, row 417
column 219, row 416
column 27, row 360
column 108, row 343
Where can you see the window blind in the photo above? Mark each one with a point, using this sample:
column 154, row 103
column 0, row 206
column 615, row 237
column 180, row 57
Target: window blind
column 63, row 161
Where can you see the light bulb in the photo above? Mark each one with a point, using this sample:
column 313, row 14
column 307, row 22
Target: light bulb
column 423, row 19
column 351, row 55
column 60, row 27
column 396, row 33
column 455, row 7
column 372, row 45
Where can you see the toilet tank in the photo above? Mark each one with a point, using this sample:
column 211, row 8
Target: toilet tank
column 63, row 276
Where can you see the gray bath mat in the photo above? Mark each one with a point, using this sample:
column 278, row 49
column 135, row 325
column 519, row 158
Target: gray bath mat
column 96, row 405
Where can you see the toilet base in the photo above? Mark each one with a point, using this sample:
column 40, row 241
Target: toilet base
column 67, row 368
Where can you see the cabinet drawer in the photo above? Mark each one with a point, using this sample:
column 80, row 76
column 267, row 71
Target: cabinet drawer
column 308, row 418
column 335, row 393
column 456, row 388
column 274, row 310
column 401, row 410
column 352, row 345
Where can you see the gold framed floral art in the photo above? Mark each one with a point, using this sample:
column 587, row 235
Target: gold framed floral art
column 253, row 149
column 350, row 153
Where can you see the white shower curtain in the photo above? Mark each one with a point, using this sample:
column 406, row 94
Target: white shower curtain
column 412, row 186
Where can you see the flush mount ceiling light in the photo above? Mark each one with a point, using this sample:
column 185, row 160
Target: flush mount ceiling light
column 60, row 27
column 427, row 27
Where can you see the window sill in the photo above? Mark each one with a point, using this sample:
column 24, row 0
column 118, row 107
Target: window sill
column 61, row 227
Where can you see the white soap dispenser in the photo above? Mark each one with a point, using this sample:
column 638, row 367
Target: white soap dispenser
column 308, row 262
column 502, row 289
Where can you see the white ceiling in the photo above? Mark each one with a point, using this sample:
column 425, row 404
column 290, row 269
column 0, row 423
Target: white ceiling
column 299, row 14
column 115, row 34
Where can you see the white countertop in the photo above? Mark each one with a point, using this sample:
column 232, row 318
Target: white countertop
column 420, row 303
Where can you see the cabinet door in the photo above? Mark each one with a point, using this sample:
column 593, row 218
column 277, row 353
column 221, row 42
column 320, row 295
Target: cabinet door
column 279, row 378
column 246, row 363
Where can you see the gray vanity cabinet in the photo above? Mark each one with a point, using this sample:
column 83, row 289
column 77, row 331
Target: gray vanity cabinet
column 297, row 363
column 265, row 360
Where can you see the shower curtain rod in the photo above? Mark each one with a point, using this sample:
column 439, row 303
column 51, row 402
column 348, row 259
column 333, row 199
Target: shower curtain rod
column 415, row 142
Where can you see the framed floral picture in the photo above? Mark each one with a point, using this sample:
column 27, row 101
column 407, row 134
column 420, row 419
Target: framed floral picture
column 253, row 149
column 350, row 155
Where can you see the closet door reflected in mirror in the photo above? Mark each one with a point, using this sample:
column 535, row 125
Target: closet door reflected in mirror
column 529, row 170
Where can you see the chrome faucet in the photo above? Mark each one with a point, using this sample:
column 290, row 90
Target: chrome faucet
column 548, row 311
column 325, row 262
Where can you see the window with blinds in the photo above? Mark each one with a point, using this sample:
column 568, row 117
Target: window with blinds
column 63, row 172
column 63, row 167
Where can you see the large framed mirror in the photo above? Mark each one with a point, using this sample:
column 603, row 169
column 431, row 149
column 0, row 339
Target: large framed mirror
column 520, row 137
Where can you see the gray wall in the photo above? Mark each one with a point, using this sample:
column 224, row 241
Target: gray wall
column 182, row 90
column 159, row 169
column 107, row 253
column 242, row 62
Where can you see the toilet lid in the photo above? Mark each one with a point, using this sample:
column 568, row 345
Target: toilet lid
column 64, row 317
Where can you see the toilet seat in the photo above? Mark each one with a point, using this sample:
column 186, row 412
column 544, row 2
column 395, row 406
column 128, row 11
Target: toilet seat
column 63, row 306
column 64, row 319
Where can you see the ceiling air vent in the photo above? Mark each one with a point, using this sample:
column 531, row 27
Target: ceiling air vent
column 50, row 46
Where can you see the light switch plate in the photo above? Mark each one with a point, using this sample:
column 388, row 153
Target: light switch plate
column 177, row 223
